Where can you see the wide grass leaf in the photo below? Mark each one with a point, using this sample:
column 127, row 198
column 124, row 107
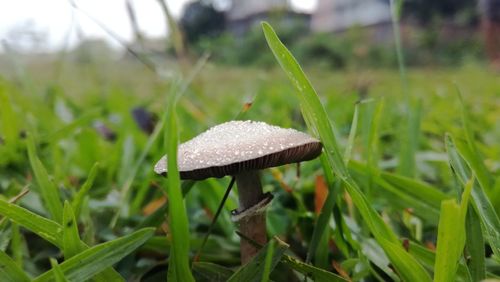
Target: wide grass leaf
column 48, row 191
column 482, row 205
column 419, row 190
column 317, row 120
column 43, row 227
column 451, row 236
column 319, row 275
column 10, row 271
column 90, row 262
column 48, row 230
column 474, row 245
column 71, row 239
column 405, row 192
column 177, row 218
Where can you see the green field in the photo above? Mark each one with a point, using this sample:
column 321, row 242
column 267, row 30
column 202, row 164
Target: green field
column 393, row 194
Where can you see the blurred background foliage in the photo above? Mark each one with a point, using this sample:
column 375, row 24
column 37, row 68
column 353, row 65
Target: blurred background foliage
column 93, row 103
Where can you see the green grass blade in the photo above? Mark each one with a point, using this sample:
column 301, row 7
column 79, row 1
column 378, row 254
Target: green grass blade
column 451, row 236
column 420, row 190
column 326, row 211
column 410, row 140
column 72, row 245
column 474, row 159
column 404, row 262
column 317, row 120
column 311, row 107
column 319, row 275
column 474, row 245
column 177, row 217
column 47, row 229
column 78, row 199
column 68, row 129
column 352, row 134
column 71, row 238
column 49, row 192
column 372, row 153
column 15, row 245
column 90, row 262
column 10, row 271
column 405, row 192
column 43, row 227
column 255, row 269
column 428, row 259
column 484, row 208
column 8, row 120
column 131, row 174
column 268, row 262
column 212, row 272
column 58, row 274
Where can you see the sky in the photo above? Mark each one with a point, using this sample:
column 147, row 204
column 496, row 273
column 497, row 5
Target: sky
column 54, row 19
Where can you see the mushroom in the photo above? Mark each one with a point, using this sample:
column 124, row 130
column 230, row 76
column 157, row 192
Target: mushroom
column 241, row 149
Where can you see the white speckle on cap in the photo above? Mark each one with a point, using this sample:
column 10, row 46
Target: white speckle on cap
column 234, row 142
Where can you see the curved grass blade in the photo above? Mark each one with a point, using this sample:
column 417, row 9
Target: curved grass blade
column 317, row 120
column 71, row 239
column 68, row 129
column 482, row 205
column 43, row 227
column 78, row 199
column 177, row 217
column 212, row 272
column 319, row 275
column 419, row 190
column 90, row 262
column 352, row 134
column 10, row 271
column 58, row 274
column 474, row 159
column 48, row 230
column 48, row 191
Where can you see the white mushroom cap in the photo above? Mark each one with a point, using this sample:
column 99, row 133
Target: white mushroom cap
column 237, row 146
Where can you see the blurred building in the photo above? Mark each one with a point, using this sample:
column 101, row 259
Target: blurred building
column 340, row 15
column 245, row 14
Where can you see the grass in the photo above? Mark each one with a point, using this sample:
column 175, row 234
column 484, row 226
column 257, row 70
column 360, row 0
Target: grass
column 116, row 220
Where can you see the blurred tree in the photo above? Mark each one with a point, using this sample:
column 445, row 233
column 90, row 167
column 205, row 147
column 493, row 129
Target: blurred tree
column 200, row 19
column 490, row 25
column 425, row 10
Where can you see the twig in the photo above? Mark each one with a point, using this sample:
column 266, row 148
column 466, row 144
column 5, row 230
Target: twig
column 148, row 63
column 214, row 220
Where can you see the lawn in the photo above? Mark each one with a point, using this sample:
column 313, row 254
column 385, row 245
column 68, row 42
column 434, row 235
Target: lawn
column 407, row 174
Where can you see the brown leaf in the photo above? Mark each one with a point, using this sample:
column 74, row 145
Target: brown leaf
column 154, row 205
column 320, row 193
column 279, row 177
column 340, row 270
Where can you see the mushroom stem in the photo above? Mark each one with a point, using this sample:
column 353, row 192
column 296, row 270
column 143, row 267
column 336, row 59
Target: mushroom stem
column 252, row 226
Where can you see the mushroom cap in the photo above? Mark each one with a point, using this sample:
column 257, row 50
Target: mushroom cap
column 237, row 146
